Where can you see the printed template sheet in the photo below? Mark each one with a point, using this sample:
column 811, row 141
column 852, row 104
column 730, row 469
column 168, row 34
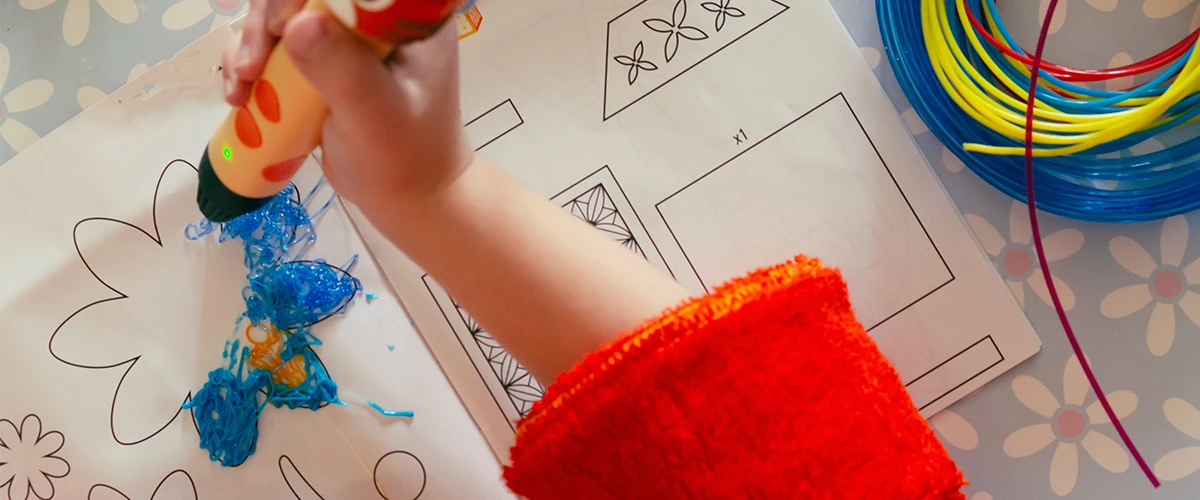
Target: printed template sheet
column 712, row 138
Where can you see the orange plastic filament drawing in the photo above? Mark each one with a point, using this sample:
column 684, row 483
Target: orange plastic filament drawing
column 265, row 356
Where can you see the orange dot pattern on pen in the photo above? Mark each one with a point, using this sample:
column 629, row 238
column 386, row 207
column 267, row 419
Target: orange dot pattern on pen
column 267, row 101
column 264, row 355
column 247, row 130
column 283, row 170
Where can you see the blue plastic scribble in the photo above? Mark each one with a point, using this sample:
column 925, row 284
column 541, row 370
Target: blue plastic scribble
column 389, row 413
column 226, row 409
column 285, row 294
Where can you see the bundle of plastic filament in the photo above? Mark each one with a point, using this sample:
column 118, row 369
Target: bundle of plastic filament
column 978, row 102
column 969, row 81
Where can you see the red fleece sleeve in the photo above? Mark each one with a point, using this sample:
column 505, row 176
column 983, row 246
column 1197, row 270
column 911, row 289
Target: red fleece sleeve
column 767, row 388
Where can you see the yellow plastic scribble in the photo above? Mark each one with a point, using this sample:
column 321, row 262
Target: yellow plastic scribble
column 1001, row 109
column 469, row 22
column 265, row 356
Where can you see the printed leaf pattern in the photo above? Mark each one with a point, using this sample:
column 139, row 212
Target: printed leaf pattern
column 723, row 11
column 596, row 207
column 593, row 206
column 518, row 383
column 636, row 63
column 675, row 30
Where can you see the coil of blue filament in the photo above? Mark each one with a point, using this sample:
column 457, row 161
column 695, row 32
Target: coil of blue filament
column 1114, row 181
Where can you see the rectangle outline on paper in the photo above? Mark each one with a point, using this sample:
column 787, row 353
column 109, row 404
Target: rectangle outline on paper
column 442, row 308
column 605, row 170
column 599, row 177
column 515, row 111
column 658, row 206
column 987, row 338
column 883, row 162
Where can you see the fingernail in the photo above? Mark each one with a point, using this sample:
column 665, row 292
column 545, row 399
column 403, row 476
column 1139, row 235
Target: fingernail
column 228, row 87
column 243, row 57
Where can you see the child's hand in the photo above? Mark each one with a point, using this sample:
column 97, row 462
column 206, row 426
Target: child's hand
column 243, row 61
column 546, row 285
column 394, row 129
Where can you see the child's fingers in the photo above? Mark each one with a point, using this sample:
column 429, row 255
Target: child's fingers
column 278, row 12
column 256, row 42
column 236, row 90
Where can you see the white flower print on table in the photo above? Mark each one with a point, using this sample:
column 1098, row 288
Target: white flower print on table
column 913, row 122
column 1060, row 15
column 1060, row 12
column 1103, row 5
column 955, row 430
column 1117, row 84
column 951, row 162
column 28, row 459
column 1167, row 284
column 1071, row 425
column 78, row 16
column 1160, row 9
column 872, row 55
column 1016, row 257
column 1183, row 462
column 187, row 13
column 23, row 97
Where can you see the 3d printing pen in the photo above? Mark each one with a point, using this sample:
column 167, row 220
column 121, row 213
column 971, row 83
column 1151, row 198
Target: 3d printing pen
column 260, row 146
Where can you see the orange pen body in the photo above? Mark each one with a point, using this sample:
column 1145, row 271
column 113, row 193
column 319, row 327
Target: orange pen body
column 258, row 148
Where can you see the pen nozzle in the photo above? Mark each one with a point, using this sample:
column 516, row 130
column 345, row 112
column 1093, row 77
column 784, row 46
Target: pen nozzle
column 217, row 202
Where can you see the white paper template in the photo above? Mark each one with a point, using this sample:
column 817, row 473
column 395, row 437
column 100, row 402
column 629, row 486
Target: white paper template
column 712, row 138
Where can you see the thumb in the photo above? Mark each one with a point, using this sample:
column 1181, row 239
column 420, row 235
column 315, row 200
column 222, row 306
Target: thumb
column 345, row 69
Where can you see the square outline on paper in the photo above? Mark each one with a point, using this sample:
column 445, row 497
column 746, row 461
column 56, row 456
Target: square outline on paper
column 657, row 207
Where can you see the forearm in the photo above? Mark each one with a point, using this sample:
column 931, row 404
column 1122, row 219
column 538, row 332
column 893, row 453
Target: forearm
column 545, row 284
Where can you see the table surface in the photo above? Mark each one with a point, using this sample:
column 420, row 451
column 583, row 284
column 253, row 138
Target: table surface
column 1036, row 432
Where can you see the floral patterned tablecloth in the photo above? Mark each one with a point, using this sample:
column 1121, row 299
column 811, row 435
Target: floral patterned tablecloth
column 1037, row 432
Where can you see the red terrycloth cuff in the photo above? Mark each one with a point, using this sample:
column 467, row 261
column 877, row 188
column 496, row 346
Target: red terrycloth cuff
column 766, row 388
